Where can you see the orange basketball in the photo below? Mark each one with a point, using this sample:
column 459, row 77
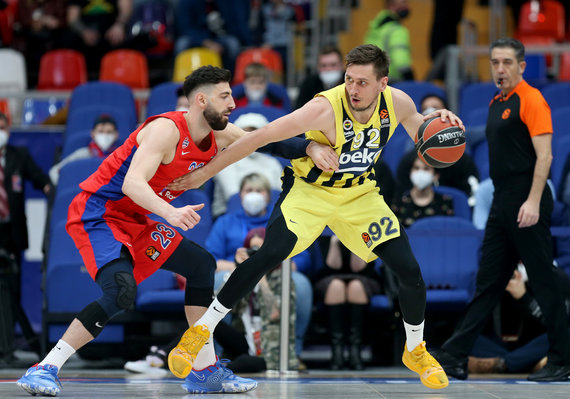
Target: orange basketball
column 440, row 144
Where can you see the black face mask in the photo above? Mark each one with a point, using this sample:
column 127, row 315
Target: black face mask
column 403, row 13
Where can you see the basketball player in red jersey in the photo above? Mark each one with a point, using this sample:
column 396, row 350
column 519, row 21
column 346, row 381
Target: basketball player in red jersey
column 121, row 246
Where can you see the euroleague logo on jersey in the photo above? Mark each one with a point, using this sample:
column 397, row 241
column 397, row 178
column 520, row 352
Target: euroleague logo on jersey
column 506, row 113
column 152, row 253
column 367, row 240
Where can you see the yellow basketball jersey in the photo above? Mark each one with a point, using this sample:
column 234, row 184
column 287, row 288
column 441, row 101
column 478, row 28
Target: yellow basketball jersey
column 357, row 145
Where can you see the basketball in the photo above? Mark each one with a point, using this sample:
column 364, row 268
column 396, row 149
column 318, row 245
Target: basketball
column 440, row 144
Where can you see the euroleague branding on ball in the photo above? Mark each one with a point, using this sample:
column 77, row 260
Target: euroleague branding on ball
column 440, row 144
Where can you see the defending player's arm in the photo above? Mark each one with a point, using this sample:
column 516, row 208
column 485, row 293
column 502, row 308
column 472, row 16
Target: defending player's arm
column 317, row 114
column 157, row 143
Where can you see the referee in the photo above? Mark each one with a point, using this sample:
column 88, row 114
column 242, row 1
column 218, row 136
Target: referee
column 519, row 132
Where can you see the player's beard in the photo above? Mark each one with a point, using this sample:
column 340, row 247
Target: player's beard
column 216, row 120
column 360, row 109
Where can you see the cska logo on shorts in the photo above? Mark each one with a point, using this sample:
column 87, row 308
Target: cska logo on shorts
column 367, row 240
column 152, row 253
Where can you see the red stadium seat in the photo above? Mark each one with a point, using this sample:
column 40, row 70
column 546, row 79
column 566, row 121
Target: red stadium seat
column 62, row 70
column 266, row 56
column 564, row 74
column 542, row 18
column 7, row 17
column 5, row 108
column 125, row 66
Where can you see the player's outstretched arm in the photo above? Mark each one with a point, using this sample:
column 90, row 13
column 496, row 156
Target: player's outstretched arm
column 157, row 143
column 317, row 114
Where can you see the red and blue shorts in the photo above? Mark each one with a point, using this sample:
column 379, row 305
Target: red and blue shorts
column 100, row 229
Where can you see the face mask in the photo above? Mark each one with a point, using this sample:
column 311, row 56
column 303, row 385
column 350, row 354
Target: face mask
column 253, row 203
column 428, row 110
column 182, row 109
column 403, row 13
column 421, row 178
column 254, row 95
column 3, row 138
column 103, row 140
column 330, row 78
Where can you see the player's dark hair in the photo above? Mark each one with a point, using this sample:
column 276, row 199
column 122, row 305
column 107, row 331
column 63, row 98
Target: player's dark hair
column 4, row 118
column 180, row 92
column 369, row 54
column 206, row 75
column 512, row 43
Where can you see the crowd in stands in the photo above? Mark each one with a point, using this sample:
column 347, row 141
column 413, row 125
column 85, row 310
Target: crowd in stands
column 242, row 196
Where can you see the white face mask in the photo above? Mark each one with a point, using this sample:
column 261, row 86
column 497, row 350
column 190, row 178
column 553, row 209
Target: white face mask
column 330, row 78
column 182, row 109
column 3, row 138
column 254, row 203
column 254, row 95
column 421, row 178
column 104, row 140
column 428, row 110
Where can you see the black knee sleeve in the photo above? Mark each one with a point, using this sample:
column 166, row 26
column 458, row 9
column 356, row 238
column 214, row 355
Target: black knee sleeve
column 93, row 318
column 119, row 287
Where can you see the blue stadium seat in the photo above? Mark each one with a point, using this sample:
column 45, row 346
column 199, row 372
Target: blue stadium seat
column 75, row 172
column 80, row 122
column 111, row 94
column 460, row 205
column 271, row 113
column 398, row 145
column 481, row 158
column 560, row 153
column 418, row 90
column 476, row 117
column 560, row 124
column 557, row 94
column 274, row 89
column 162, row 98
column 61, row 249
column 159, row 293
column 36, row 110
column 535, row 71
column 474, row 96
column 446, row 248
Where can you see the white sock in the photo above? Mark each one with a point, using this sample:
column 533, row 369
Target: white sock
column 414, row 335
column 215, row 313
column 58, row 355
column 206, row 357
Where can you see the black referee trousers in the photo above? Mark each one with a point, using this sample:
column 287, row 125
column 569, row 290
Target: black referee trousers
column 504, row 245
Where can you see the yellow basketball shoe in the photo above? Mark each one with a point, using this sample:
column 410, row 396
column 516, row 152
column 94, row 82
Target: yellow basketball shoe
column 420, row 361
column 181, row 358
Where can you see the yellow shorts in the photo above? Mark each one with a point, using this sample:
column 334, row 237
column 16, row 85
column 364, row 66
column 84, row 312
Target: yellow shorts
column 357, row 215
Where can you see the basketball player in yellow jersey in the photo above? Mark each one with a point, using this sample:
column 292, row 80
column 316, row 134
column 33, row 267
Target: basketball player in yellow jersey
column 356, row 119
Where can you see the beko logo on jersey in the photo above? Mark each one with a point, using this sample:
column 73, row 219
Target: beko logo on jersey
column 356, row 160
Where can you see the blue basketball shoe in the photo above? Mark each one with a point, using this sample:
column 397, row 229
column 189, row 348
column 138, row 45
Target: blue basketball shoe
column 216, row 379
column 41, row 380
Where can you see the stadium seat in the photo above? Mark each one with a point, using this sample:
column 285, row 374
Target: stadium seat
column 75, row 172
column 560, row 153
column 62, row 70
column 481, row 159
column 162, row 98
column 189, row 60
column 273, row 89
column 125, row 66
column 266, row 56
column 475, row 96
column 154, row 20
column 80, row 122
column 564, row 74
column 397, row 147
column 560, row 124
column 535, row 71
column 7, row 19
column 418, row 90
column 476, row 117
column 460, row 205
column 36, row 110
column 557, row 94
column 446, row 248
column 111, row 94
column 5, row 109
column 61, row 248
column 159, row 293
column 543, row 18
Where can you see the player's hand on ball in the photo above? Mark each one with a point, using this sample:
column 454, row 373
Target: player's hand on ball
column 324, row 157
column 446, row 114
column 186, row 217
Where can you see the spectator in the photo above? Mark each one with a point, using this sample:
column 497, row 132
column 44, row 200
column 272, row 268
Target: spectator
column 515, row 342
column 446, row 18
column 99, row 26
column 421, row 200
column 278, row 16
column 16, row 167
column 345, row 284
column 257, row 90
column 220, row 25
column 387, row 32
column 330, row 73
column 103, row 142
column 227, row 182
column 228, row 234
column 519, row 132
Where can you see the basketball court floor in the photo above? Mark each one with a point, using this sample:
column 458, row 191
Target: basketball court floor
column 389, row 383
